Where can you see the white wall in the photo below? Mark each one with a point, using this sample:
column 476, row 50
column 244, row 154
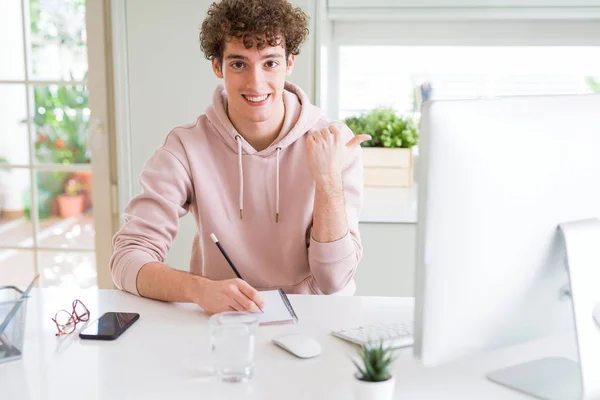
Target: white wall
column 388, row 264
column 170, row 84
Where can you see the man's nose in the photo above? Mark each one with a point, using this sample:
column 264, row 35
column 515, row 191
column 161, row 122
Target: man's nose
column 256, row 79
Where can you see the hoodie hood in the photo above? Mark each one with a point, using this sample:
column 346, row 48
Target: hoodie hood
column 300, row 116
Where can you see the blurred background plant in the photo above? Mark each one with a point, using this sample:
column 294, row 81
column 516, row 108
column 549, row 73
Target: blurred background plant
column 61, row 112
column 386, row 127
column 61, row 115
column 58, row 23
column 594, row 84
column 73, row 187
column 62, row 124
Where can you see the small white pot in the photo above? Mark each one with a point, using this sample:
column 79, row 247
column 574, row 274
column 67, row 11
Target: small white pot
column 374, row 390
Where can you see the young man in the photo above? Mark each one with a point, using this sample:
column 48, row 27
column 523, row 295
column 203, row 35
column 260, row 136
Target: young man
column 263, row 170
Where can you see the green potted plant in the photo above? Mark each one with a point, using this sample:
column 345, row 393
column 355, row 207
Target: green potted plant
column 373, row 379
column 70, row 204
column 388, row 156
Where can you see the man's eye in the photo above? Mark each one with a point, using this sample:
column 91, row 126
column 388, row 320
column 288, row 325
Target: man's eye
column 271, row 64
column 237, row 65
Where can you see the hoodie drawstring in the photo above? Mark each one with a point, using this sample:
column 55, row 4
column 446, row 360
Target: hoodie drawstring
column 277, row 188
column 238, row 139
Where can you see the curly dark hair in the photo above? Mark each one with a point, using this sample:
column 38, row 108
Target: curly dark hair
column 272, row 22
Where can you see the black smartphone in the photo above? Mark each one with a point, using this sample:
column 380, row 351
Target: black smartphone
column 109, row 326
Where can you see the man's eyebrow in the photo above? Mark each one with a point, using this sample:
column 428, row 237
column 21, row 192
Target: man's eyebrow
column 241, row 57
column 272, row 55
column 235, row 57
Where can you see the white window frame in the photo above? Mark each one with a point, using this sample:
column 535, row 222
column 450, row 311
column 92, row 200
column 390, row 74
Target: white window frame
column 444, row 10
column 102, row 134
column 104, row 177
column 534, row 32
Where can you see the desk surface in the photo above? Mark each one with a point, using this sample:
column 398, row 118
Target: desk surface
column 165, row 355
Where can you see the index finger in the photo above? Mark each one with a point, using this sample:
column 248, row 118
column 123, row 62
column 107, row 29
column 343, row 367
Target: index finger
column 357, row 140
column 252, row 294
column 333, row 129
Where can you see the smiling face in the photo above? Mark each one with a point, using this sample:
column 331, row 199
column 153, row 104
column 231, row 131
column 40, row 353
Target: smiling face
column 254, row 81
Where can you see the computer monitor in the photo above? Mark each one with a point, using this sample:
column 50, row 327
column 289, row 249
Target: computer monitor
column 496, row 178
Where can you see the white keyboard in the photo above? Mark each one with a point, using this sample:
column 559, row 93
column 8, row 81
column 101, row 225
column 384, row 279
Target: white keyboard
column 393, row 335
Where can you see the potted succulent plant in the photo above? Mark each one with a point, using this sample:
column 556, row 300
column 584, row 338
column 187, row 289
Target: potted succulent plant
column 373, row 378
column 70, row 204
column 388, row 156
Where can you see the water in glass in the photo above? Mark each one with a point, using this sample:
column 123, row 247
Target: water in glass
column 232, row 345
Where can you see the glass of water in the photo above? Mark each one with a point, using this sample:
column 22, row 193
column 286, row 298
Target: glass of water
column 232, row 337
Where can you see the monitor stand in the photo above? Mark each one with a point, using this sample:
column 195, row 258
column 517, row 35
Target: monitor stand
column 557, row 378
column 552, row 378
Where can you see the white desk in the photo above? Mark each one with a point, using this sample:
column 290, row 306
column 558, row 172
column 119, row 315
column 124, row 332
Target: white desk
column 163, row 354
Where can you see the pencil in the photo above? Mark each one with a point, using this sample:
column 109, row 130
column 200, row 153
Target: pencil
column 214, row 239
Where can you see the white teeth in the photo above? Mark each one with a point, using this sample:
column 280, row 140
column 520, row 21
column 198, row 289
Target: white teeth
column 256, row 99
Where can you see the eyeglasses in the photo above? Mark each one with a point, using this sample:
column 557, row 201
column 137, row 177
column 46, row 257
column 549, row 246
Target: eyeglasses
column 66, row 321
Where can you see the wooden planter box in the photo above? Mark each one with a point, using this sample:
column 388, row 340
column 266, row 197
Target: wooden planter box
column 388, row 167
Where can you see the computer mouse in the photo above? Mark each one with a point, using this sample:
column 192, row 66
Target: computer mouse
column 301, row 346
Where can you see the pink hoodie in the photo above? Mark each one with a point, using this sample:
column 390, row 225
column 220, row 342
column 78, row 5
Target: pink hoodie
column 208, row 169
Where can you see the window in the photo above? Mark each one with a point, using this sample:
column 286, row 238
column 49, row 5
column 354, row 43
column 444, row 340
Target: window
column 399, row 76
column 46, row 211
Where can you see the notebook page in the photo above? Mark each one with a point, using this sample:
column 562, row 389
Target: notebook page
column 275, row 310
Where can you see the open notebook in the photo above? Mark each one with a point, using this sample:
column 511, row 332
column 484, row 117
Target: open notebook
column 277, row 309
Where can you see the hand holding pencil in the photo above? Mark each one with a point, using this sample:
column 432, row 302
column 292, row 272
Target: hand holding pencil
column 231, row 294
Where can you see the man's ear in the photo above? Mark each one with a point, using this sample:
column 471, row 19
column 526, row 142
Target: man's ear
column 216, row 66
column 290, row 64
